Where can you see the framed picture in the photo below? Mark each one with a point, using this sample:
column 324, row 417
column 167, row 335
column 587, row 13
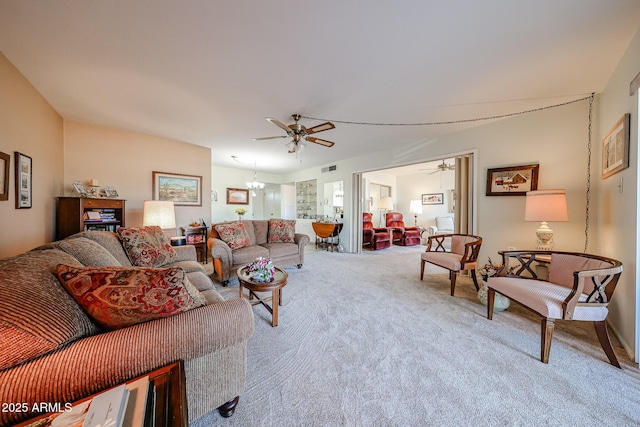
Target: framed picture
column 110, row 192
column 182, row 190
column 512, row 181
column 24, row 173
column 78, row 187
column 615, row 148
column 4, row 175
column 237, row 196
column 433, row 199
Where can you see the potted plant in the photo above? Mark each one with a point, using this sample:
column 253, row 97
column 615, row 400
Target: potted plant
column 241, row 212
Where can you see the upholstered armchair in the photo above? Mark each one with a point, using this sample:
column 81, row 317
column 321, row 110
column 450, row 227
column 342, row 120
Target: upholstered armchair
column 579, row 287
column 402, row 235
column 444, row 225
column 372, row 237
column 463, row 255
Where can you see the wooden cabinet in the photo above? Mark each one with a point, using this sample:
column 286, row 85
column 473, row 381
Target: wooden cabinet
column 307, row 199
column 76, row 214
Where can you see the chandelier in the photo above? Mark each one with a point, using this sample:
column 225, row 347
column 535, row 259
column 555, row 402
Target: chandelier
column 255, row 185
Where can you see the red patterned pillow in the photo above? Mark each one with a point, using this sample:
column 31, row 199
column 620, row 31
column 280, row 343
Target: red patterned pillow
column 281, row 231
column 234, row 234
column 147, row 246
column 117, row 297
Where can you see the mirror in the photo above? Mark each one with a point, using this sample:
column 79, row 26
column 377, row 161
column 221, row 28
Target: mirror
column 333, row 203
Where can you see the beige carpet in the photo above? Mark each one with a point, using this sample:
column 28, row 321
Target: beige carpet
column 363, row 342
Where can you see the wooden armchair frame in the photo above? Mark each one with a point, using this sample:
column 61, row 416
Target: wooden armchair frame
column 465, row 260
column 592, row 289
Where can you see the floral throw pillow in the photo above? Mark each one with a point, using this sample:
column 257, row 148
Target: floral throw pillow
column 234, row 234
column 147, row 246
column 117, row 297
column 281, row 231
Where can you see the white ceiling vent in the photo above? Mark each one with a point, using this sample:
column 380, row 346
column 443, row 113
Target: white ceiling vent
column 329, row 169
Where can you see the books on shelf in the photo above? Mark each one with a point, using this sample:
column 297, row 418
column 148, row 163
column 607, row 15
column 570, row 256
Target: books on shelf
column 100, row 215
column 107, row 408
column 135, row 412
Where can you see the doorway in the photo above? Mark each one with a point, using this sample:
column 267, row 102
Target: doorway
column 444, row 186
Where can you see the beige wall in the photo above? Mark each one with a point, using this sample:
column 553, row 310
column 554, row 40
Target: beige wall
column 126, row 160
column 618, row 216
column 30, row 126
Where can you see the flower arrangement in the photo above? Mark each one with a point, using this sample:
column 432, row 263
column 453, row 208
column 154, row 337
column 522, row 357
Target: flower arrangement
column 261, row 270
column 489, row 270
column 241, row 211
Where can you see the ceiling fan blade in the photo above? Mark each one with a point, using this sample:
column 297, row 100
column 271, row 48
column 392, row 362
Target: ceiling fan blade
column 320, row 128
column 270, row 137
column 320, row 141
column 278, row 123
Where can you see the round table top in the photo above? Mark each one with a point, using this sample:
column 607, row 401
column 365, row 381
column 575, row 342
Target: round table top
column 279, row 280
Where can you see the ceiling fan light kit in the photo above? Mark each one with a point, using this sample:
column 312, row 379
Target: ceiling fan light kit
column 299, row 134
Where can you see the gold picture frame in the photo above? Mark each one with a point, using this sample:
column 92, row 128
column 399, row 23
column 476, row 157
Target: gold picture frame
column 615, row 148
column 182, row 190
column 237, row 196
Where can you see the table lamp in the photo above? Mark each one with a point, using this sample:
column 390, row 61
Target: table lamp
column 415, row 207
column 545, row 205
column 160, row 213
column 385, row 204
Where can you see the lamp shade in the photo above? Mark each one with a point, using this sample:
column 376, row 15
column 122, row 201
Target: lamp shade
column 546, row 205
column 415, row 207
column 160, row 213
column 385, row 203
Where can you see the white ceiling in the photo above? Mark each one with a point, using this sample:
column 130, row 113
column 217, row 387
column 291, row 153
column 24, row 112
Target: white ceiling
column 209, row 72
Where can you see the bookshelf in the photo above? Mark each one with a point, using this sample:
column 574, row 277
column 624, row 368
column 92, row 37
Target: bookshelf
column 76, row 214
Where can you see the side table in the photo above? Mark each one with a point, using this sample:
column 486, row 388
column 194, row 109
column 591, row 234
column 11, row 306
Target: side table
column 275, row 286
column 197, row 236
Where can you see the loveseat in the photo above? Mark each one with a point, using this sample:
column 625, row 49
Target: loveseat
column 53, row 351
column 237, row 243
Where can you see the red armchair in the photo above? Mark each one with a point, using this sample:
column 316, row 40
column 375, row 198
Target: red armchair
column 402, row 235
column 374, row 238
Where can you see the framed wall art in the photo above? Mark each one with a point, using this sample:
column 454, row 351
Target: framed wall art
column 237, row 196
column 615, row 148
column 182, row 190
column 512, row 181
column 24, row 173
column 433, row 199
column 4, row 175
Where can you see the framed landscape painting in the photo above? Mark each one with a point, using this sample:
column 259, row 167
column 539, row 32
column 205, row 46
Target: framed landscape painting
column 237, row 196
column 615, row 148
column 512, row 181
column 182, row 190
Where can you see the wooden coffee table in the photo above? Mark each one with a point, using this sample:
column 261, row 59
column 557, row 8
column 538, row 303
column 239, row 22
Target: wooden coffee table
column 279, row 282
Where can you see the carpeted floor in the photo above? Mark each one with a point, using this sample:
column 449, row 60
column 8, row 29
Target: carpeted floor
column 363, row 342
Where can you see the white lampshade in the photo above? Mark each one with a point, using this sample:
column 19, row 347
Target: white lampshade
column 546, row 205
column 160, row 213
column 386, row 203
column 415, row 207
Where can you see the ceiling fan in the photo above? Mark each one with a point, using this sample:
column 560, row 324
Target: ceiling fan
column 441, row 168
column 300, row 133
